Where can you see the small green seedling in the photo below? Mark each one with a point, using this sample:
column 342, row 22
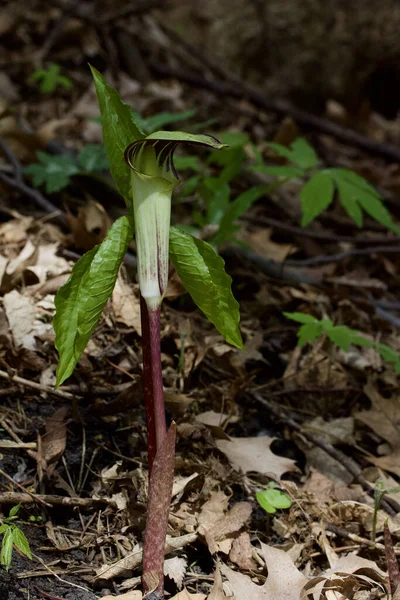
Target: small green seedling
column 271, row 499
column 354, row 193
column 55, row 172
column 12, row 536
column 340, row 335
column 50, row 79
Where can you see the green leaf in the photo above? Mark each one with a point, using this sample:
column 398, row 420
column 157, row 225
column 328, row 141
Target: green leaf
column 300, row 153
column 93, row 157
column 276, row 171
column 308, row 333
column 203, row 274
column 4, row 527
column 216, row 195
column 54, row 172
column 236, row 209
column 6, row 548
column 303, row 154
column 50, row 78
column 190, row 185
column 80, row 301
column 183, row 163
column 162, row 119
column 14, row 510
column 315, row 196
column 341, row 335
column 356, row 195
column 21, row 542
column 263, row 501
column 234, row 139
column 271, row 499
column 119, row 130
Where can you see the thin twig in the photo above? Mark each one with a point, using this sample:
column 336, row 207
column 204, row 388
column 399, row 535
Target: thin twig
column 5, row 148
column 330, row 258
column 49, row 500
column 343, row 533
column 33, row 497
column 37, row 386
column 391, row 506
column 320, row 235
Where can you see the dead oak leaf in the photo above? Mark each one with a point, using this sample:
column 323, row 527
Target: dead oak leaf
column 284, row 581
column 255, row 454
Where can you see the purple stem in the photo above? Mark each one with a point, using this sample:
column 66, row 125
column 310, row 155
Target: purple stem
column 152, row 380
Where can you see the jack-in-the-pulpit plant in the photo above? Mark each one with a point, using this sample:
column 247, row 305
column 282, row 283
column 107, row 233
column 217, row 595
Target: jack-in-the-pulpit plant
column 143, row 170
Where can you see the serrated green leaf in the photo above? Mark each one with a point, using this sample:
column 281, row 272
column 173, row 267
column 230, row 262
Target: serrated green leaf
column 277, row 171
column 303, row 154
column 93, row 157
column 315, row 196
column 80, row 301
column 264, row 502
column 340, row 335
column 14, row 510
column 203, row 274
column 54, row 172
column 119, row 130
column 6, row 548
column 308, row 333
column 21, row 542
column 355, row 194
column 300, row 317
column 236, row 209
column 300, row 153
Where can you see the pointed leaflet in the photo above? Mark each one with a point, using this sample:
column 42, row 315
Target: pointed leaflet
column 235, row 210
column 315, row 196
column 80, row 301
column 119, row 130
column 204, row 277
column 355, row 194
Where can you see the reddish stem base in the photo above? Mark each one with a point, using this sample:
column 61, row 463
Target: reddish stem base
column 152, row 380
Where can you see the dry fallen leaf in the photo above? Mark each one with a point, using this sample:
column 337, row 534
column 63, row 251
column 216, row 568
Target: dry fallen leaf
column 351, row 577
column 184, row 595
column 217, row 590
column 21, row 314
column 284, row 580
column 132, row 595
column 175, row 569
column 254, row 454
column 384, row 419
column 126, row 305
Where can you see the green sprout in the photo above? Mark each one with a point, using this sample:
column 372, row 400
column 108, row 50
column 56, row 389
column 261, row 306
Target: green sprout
column 12, row 536
column 271, row 499
column 50, row 79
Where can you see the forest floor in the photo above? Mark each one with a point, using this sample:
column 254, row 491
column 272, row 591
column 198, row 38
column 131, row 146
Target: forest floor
column 318, row 426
